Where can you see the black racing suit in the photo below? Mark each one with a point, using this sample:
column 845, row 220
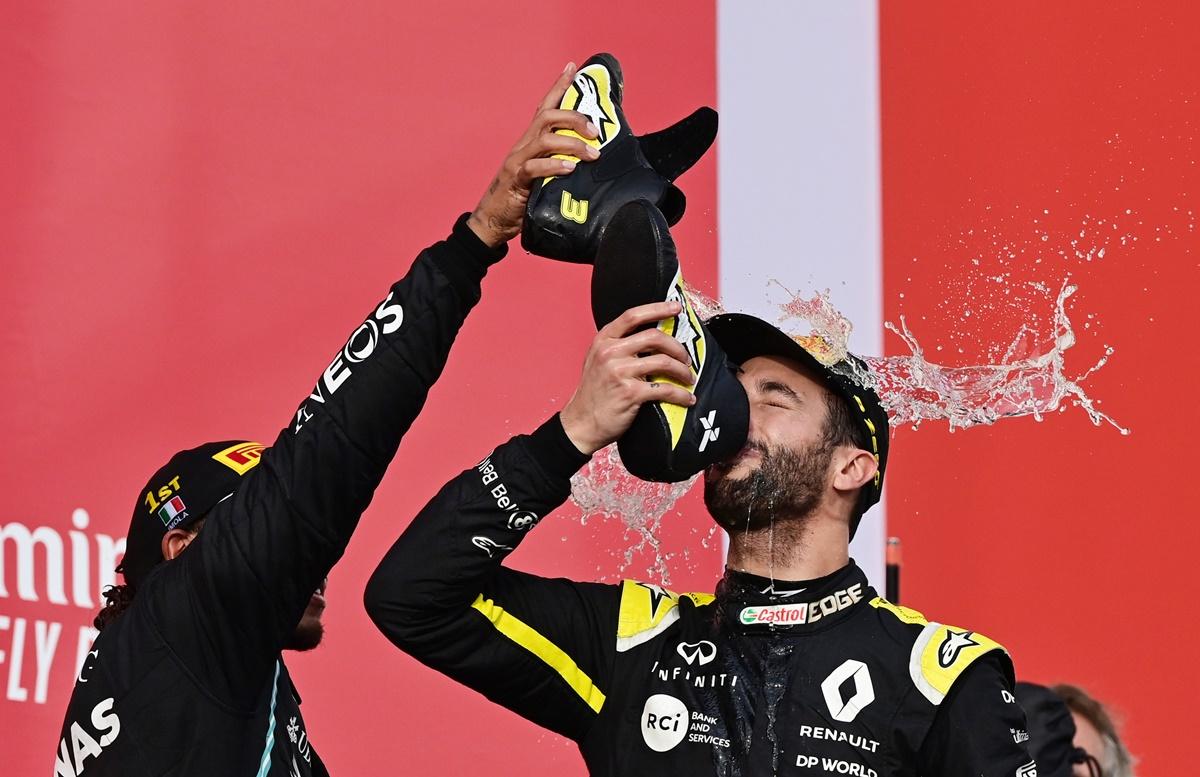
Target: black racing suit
column 810, row 678
column 189, row 680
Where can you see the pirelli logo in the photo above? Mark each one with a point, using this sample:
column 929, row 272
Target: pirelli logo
column 241, row 458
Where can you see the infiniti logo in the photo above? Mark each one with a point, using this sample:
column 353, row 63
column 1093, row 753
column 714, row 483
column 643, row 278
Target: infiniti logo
column 700, row 653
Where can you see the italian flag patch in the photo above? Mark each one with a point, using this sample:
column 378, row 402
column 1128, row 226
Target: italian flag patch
column 172, row 512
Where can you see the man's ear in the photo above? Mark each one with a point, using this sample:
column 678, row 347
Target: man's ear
column 174, row 541
column 855, row 470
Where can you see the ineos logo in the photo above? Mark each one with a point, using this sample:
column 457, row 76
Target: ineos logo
column 356, row 351
column 386, row 319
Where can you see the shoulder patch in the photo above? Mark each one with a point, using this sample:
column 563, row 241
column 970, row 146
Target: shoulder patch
column 941, row 653
column 940, row 656
column 647, row 610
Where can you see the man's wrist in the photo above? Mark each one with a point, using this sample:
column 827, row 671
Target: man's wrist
column 555, row 450
column 488, row 235
column 576, row 432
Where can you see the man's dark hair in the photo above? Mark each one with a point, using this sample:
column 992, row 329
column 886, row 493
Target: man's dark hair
column 842, row 429
column 117, row 599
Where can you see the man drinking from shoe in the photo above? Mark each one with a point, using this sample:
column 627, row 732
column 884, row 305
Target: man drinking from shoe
column 793, row 666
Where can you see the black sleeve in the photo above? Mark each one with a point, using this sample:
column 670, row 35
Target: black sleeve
column 979, row 730
column 234, row 597
column 542, row 648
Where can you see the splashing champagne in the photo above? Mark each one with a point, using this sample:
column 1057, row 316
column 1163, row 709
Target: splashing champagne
column 915, row 389
column 912, row 388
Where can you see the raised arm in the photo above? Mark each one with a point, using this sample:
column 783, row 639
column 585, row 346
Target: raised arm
column 542, row 648
column 261, row 553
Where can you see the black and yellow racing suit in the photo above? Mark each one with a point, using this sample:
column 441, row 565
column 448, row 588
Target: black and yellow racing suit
column 764, row 677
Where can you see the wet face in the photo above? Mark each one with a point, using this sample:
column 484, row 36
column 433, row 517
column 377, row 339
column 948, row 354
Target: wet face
column 310, row 630
column 784, row 469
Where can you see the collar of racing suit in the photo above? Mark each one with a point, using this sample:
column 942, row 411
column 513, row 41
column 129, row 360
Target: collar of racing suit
column 752, row 604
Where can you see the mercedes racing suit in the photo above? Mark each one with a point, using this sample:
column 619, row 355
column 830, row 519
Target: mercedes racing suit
column 189, row 680
column 810, row 678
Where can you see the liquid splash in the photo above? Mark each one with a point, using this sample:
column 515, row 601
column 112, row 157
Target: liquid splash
column 913, row 389
column 1027, row 377
column 605, row 489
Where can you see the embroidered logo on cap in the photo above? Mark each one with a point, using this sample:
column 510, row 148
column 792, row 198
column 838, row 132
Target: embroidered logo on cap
column 241, row 458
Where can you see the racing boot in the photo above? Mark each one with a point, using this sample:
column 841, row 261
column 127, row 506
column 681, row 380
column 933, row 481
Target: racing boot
column 565, row 215
column 636, row 264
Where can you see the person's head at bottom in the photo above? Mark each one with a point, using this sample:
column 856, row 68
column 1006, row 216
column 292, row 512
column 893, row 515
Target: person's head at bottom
column 813, row 462
column 1095, row 733
column 170, row 514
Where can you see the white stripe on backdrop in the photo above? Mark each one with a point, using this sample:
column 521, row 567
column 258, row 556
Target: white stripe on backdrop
column 798, row 171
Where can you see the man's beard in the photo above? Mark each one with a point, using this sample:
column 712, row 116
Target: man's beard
column 787, row 485
column 310, row 630
column 307, row 635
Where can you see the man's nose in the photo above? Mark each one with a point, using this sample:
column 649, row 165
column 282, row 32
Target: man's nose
column 755, row 421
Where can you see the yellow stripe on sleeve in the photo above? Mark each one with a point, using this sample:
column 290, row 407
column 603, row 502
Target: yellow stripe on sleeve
column 529, row 638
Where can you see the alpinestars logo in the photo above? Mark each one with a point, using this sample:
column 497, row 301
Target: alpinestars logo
column 711, row 431
column 685, row 330
column 591, row 104
column 954, row 644
column 657, row 595
column 773, row 591
column 488, row 545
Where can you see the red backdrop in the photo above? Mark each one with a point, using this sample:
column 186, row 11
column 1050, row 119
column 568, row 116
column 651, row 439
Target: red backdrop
column 197, row 204
column 1071, row 544
column 200, row 202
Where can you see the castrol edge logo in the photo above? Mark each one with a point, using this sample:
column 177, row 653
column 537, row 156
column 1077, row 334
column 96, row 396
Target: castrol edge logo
column 802, row 612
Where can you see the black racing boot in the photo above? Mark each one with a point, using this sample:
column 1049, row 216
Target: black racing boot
column 636, row 264
column 565, row 215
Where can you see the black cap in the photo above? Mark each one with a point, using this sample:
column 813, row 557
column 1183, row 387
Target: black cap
column 184, row 490
column 1051, row 729
column 744, row 337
